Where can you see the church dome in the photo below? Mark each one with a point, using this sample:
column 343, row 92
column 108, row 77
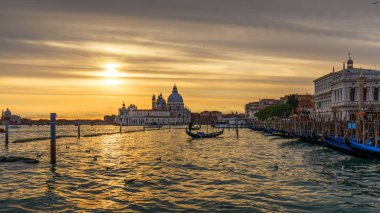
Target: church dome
column 175, row 97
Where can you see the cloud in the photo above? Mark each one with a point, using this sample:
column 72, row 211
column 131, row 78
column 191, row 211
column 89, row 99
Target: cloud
column 222, row 53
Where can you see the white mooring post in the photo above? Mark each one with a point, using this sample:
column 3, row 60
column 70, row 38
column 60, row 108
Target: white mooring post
column 53, row 159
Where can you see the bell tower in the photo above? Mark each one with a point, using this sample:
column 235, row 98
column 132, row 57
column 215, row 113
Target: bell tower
column 154, row 102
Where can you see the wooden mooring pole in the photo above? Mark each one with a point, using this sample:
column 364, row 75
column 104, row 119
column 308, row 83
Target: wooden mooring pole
column 53, row 157
column 376, row 133
column 6, row 132
column 78, row 123
column 236, row 126
column 120, row 124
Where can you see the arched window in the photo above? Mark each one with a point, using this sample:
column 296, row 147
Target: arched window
column 376, row 94
column 364, row 94
column 352, row 94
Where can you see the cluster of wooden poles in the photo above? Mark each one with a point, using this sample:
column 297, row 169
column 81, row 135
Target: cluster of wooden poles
column 360, row 126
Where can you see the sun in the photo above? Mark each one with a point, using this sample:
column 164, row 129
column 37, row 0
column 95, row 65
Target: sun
column 111, row 70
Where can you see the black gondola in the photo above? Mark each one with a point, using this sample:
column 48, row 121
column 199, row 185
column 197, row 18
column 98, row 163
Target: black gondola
column 203, row 135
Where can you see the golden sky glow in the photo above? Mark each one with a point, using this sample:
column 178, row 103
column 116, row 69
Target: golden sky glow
column 83, row 60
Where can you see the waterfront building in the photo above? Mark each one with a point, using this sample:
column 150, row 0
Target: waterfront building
column 171, row 112
column 341, row 93
column 305, row 103
column 254, row 107
column 110, row 119
column 210, row 117
column 13, row 119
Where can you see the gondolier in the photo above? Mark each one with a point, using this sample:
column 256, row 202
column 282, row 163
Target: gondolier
column 191, row 125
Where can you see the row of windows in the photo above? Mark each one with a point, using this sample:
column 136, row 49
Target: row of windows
column 175, row 108
column 323, row 104
column 151, row 121
column 375, row 94
column 321, row 86
column 134, row 113
column 337, row 95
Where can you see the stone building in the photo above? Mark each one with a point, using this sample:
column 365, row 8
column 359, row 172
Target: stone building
column 162, row 112
column 252, row 108
column 347, row 91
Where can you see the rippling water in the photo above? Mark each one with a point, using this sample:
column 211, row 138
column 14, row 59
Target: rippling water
column 175, row 173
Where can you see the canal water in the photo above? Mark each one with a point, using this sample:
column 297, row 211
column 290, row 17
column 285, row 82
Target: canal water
column 168, row 171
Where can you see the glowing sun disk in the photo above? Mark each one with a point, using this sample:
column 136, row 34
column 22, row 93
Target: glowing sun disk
column 111, row 71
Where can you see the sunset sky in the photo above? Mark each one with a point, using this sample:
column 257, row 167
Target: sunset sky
column 83, row 58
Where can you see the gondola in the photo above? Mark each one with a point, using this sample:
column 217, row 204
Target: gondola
column 340, row 144
column 367, row 149
column 203, row 135
column 255, row 128
column 283, row 134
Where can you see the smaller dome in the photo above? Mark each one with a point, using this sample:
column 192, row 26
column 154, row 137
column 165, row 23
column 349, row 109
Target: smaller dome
column 7, row 113
column 161, row 100
column 350, row 62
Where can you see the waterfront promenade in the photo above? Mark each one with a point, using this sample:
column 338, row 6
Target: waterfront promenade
column 172, row 172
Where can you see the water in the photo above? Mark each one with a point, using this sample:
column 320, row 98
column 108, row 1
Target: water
column 175, row 173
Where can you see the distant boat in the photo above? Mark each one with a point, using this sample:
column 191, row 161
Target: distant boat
column 14, row 127
column 204, row 135
column 228, row 123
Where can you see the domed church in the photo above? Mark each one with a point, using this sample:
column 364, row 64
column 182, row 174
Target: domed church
column 171, row 112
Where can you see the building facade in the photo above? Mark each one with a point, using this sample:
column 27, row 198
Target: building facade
column 254, row 107
column 344, row 92
column 305, row 103
column 109, row 119
column 162, row 112
column 13, row 119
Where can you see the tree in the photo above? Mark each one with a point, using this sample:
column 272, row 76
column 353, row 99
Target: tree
column 279, row 110
column 292, row 101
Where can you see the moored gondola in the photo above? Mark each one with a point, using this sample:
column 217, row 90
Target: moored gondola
column 260, row 129
column 338, row 144
column 367, row 149
column 342, row 145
